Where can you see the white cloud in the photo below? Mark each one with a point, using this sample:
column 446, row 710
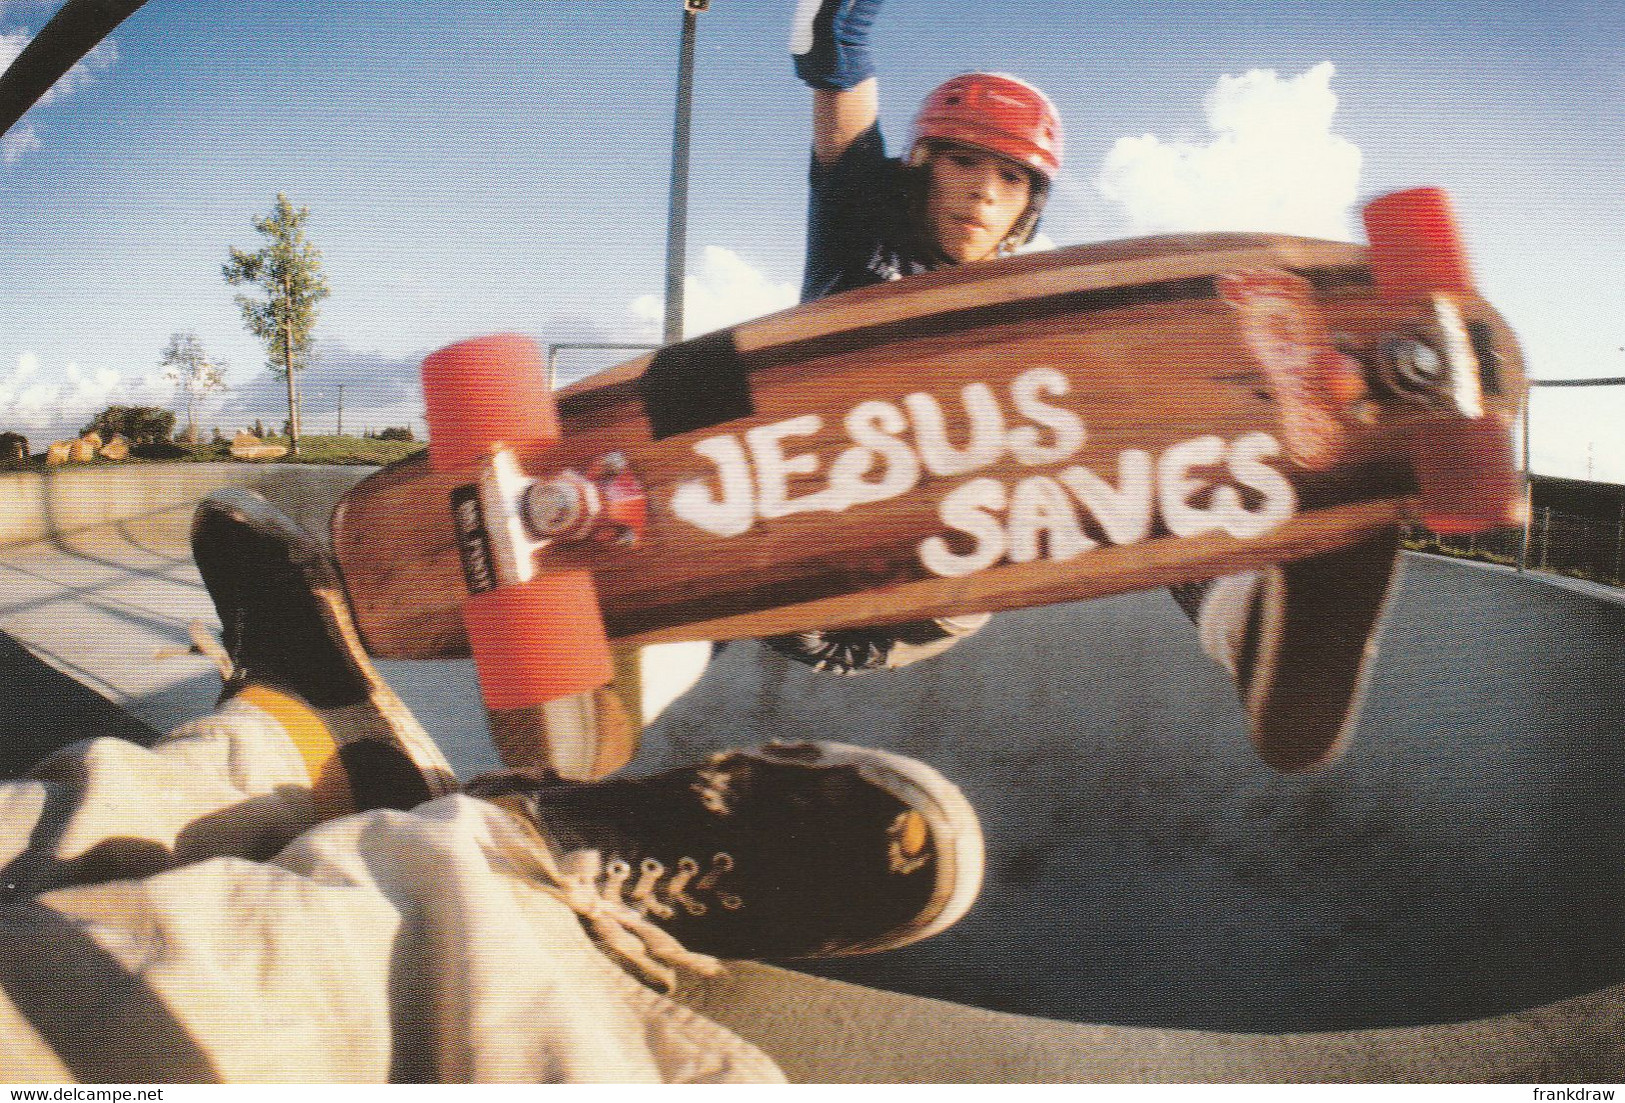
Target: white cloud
column 11, row 44
column 725, row 291
column 99, row 60
column 17, row 142
column 57, row 405
column 375, row 390
column 1273, row 163
column 24, row 139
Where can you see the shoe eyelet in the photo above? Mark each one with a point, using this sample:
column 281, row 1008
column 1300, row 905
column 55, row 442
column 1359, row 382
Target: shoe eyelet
column 721, row 862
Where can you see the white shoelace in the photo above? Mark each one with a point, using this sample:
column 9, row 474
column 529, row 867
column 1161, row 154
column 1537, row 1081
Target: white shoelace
column 205, row 643
column 621, row 921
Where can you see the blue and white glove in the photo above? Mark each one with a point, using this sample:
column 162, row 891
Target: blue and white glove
column 830, row 42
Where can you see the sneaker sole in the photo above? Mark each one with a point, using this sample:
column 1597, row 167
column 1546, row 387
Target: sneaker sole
column 256, row 512
column 949, row 816
column 1311, row 677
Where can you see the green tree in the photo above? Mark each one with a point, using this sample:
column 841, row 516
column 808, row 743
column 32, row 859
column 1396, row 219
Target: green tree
column 194, row 375
column 287, row 270
column 136, row 424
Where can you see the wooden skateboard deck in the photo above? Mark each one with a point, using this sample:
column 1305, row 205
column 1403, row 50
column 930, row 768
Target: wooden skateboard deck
column 1024, row 432
column 1007, row 434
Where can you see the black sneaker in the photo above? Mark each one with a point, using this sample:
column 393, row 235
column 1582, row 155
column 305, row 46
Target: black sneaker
column 860, row 650
column 287, row 628
column 1299, row 641
column 787, row 851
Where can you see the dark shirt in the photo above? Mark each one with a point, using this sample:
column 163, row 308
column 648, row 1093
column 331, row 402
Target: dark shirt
column 859, row 231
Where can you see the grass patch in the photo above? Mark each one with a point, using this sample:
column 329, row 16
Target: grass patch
column 1428, row 543
column 343, row 450
column 312, row 449
column 1434, row 546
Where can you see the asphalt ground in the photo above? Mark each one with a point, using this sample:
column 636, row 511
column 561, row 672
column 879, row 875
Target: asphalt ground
column 1465, row 858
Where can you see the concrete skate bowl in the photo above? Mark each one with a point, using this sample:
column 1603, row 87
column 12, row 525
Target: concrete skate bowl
column 96, row 581
column 1464, row 860
column 108, row 509
column 1461, row 865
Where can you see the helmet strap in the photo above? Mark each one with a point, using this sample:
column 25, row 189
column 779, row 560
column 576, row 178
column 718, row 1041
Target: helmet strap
column 1027, row 225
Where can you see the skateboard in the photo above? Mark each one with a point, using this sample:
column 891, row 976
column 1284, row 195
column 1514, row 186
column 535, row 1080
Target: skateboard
column 1020, row 432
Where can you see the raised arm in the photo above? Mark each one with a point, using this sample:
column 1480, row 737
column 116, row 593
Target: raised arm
column 840, row 116
column 829, row 40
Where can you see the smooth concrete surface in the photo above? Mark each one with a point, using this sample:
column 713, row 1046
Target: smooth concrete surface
column 96, row 580
column 149, row 500
column 823, row 1031
column 1464, row 861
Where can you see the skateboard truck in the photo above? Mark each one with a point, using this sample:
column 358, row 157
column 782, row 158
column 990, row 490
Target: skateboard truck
column 525, row 515
column 1463, row 454
column 538, row 640
column 1443, row 362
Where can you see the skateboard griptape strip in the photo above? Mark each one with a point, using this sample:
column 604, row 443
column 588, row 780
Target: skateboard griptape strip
column 958, row 319
column 695, row 385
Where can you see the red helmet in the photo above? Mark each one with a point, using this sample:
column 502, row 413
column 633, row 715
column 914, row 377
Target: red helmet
column 995, row 112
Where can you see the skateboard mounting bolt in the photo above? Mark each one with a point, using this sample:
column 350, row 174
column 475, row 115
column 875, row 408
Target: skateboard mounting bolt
column 605, row 504
column 558, row 508
column 624, row 503
column 1416, row 363
column 1436, row 363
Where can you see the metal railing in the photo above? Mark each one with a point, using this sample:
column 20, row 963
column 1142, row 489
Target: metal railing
column 557, row 347
column 1525, row 544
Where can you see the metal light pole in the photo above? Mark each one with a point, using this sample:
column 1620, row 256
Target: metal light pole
column 677, row 217
column 1528, row 487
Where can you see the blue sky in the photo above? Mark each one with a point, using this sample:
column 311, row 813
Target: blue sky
column 487, row 166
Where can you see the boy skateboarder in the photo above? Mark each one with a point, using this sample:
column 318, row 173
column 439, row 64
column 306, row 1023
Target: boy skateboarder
column 980, row 162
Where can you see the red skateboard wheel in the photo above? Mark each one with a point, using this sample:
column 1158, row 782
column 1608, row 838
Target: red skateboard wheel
column 1469, row 479
column 1415, row 245
column 539, row 641
column 545, row 639
column 485, row 391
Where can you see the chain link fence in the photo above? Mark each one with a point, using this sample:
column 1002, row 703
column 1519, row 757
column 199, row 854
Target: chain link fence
column 1560, row 542
column 1576, row 528
column 568, row 361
